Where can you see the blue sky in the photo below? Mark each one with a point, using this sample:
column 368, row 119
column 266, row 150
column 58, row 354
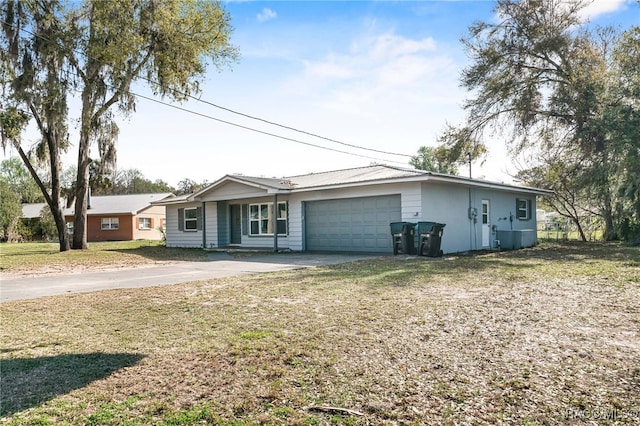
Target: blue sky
column 382, row 75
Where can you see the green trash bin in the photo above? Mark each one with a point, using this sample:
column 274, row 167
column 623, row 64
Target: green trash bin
column 402, row 234
column 430, row 238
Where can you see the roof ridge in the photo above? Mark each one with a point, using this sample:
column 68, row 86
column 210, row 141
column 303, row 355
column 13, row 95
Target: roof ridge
column 130, row 195
column 341, row 170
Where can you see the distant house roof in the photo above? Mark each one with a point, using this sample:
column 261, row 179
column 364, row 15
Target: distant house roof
column 122, row 204
column 370, row 175
column 106, row 204
column 32, row 210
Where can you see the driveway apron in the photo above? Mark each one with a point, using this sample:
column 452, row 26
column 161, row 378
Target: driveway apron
column 219, row 265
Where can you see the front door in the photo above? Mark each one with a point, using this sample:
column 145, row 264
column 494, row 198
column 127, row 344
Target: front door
column 486, row 225
column 235, row 224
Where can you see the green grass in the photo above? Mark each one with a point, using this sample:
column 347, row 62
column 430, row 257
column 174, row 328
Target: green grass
column 535, row 337
column 46, row 257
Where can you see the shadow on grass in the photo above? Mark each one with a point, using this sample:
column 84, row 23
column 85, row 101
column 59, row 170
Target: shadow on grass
column 29, row 382
column 163, row 253
column 28, row 253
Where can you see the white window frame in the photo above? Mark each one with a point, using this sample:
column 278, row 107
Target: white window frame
column 144, row 223
column 485, row 212
column 523, row 208
column 190, row 223
column 110, row 223
column 264, row 224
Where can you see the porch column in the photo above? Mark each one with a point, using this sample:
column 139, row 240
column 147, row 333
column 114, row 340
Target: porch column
column 275, row 223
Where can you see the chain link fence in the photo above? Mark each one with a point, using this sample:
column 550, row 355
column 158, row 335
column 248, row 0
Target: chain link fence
column 553, row 227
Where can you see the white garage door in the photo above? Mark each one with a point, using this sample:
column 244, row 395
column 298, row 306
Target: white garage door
column 354, row 224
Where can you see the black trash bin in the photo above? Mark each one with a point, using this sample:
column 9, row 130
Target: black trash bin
column 402, row 237
column 430, row 238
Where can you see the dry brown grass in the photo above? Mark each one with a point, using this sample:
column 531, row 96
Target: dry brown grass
column 542, row 336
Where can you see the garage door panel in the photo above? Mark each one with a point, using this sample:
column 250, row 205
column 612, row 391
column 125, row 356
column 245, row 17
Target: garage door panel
column 357, row 224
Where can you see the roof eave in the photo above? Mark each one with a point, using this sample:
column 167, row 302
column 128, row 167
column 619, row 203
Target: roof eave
column 488, row 184
column 197, row 196
column 435, row 177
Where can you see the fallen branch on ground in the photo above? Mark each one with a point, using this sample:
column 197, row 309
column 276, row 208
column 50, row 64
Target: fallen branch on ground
column 334, row 410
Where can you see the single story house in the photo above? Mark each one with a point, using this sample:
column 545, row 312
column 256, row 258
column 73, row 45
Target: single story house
column 116, row 217
column 349, row 211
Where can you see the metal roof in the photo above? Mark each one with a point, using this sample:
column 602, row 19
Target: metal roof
column 375, row 174
column 351, row 176
column 363, row 175
column 133, row 203
column 105, row 204
column 32, row 210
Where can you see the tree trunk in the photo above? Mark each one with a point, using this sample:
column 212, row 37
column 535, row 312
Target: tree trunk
column 607, row 208
column 607, row 214
column 86, row 124
column 61, row 226
column 53, row 199
column 583, row 237
column 82, row 190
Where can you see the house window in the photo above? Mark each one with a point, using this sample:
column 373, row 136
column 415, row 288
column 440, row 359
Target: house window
column 144, row 223
column 261, row 219
column 191, row 219
column 70, row 228
column 523, row 209
column 110, row 224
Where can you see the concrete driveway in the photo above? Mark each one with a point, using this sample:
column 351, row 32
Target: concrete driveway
column 219, row 265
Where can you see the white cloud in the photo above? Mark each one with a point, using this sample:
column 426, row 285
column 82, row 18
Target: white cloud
column 382, row 66
column 376, row 57
column 266, row 15
column 590, row 9
column 329, row 69
column 382, row 89
column 393, row 46
column 601, row 7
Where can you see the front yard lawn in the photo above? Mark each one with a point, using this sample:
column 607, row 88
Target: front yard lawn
column 542, row 336
column 43, row 258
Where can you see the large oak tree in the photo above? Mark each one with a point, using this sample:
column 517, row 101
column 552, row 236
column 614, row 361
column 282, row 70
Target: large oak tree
column 100, row 48
column 566, row 93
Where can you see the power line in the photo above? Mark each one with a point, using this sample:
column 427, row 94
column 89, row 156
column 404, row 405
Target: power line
column 287, row 127
column 243, row 127
column 259, row 131
column 254, row 118
column 240, row 125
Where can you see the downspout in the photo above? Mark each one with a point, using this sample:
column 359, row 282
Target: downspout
column 275, row 223
column 204, row 226
column 470, row 222
column 471, row 216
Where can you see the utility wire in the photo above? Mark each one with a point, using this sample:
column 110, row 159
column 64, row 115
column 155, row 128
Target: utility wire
column 137, row 95
column 259, row 131
column 287, row 127
column 252, row 117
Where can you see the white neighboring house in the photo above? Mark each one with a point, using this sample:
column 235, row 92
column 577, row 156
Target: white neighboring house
column 350, row 211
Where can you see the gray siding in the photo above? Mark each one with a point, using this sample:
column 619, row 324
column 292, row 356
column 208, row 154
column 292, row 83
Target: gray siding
column 442, row 202
column 222, row 227
column 211, row 220
column 177, row 238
